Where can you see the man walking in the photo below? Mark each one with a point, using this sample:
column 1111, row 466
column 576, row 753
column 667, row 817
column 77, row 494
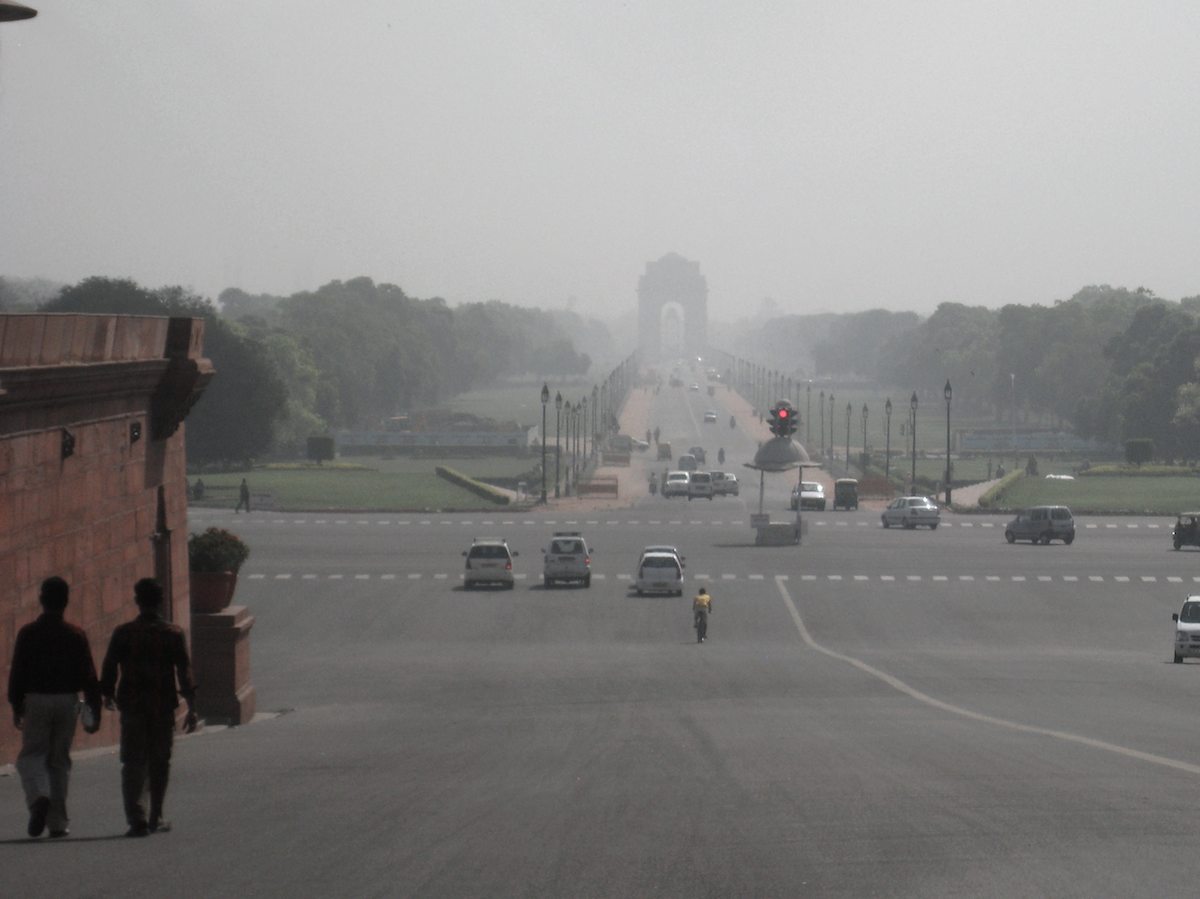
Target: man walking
column 701, row 609
column 243, row 498
column 146, row 658
column 51, row 665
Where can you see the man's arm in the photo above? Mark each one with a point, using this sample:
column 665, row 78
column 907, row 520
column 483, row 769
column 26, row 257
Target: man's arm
column 187, row 687
column 16, row 679
column 109, row 669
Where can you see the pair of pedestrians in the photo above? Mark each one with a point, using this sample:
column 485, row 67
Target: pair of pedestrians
column 52, row 664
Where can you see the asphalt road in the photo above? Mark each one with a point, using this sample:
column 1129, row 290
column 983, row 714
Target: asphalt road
column 876, row 713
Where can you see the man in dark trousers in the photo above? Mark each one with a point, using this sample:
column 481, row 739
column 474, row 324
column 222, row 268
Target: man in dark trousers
column 146, row 658
column 51, row 665
column 243, row 497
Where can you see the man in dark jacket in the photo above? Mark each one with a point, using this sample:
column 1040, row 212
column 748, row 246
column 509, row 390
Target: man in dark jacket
column 146, row 658
column 51, row 665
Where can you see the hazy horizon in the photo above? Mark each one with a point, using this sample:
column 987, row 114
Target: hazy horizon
column 830, row 158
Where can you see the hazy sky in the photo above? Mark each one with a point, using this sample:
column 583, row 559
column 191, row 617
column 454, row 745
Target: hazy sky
column 833, row 156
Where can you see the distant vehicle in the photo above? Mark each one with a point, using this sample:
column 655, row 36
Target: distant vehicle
column 663, row 548
column 695, row 387
column 489, row 561
column 659, row 573
column 698, row 452
column 676, row 484
column 567, row 558
column 1041, row 524
column 725, row 483
column 1187, row 629
column 808, row 495
column 710, row 417
column 687, row 462
column 700, row 485
column 1187, row 530
column 845, row 493
column 910, row 511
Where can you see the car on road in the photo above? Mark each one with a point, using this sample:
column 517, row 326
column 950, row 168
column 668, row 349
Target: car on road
column 687, row 462
column 700, row 485
column 912, row 511
column 845, row 494
column 710, row 417
column 698, row 452
column 1041, row 524
column 567, row 559
column 663, row 548
column 1187, row 630
column 808, row 495
column 695, row 387
column 1187, row 530
column 675, row 484
column 725, row 483
column 489, row 561
column 659, row 573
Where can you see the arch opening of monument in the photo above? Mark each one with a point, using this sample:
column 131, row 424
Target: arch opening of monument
column 672, row 309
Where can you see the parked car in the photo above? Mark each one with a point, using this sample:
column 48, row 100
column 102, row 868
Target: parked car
column 659, row 573
column 698, row 452
column 700, row 485
column 808, row 495
column 710, row 417
column 567, row 558
column 687, row 462
column 676, row 483
column 1187, row 530
column 1187, row 629
column 725, row 483
column 489, row 561
column 1041, row 524
column 910, row 511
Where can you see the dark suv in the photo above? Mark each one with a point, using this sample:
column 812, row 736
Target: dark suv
column 1041, row 524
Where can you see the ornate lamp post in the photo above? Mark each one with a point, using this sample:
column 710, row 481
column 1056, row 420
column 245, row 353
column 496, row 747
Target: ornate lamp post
column 821, row 407
column 887, row 453
column 864, row 455
column 808, row 416
column 545, row 400
column 913, row 405
column 831, row 423
column 583, row 428
column 557, row 431
column 595, row 416
column 849, row 409
column 571, row 411
column 947, row 393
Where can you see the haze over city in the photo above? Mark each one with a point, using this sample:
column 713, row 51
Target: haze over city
column 828, row 157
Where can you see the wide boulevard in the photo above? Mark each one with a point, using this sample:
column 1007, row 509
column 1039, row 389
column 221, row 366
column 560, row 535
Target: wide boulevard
column 876, row 713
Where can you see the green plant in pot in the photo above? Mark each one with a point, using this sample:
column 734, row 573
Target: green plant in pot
column 214, row 558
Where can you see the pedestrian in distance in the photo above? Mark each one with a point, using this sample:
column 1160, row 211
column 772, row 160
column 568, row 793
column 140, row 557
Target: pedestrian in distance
column 243, row 497
column 51, row 665
column 701, row 609
column 147, row 658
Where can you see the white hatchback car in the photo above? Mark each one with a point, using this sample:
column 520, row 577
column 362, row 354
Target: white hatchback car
column 659, row 573
column 1187, row 630
column 910, row 511
column 489, row 561
column 676, row 484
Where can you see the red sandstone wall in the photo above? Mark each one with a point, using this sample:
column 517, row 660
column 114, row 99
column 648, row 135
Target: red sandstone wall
column 116, row 509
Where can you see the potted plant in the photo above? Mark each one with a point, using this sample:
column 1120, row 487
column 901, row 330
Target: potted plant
column 214, row 557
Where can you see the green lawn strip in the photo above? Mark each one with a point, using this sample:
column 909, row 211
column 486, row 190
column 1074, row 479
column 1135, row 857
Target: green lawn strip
column 1109, row 495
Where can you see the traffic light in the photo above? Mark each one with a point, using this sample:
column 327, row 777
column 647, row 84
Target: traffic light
column 783, row 420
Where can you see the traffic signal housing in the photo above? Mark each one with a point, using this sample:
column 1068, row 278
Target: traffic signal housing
column 783, row 420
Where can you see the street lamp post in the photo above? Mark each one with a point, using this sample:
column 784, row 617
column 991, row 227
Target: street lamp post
column 557, row 432
column 808, row 416
column 887, row 452
column 1012, row 385
column 821, row 406
column 583, row 429
column 913, row 405
column 831, row 424
column 595, row 415
column 849, row 409
column 545, row 400
column 864, row 455
column 949, row 469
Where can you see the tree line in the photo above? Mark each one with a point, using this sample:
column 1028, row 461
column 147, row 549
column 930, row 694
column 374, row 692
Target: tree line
column 350, row 354
column 1109, row 363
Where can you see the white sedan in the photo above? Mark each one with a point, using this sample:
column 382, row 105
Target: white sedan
column 910, row 511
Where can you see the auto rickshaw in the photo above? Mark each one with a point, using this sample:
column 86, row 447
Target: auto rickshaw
column 845, row 493
column 1187, row 530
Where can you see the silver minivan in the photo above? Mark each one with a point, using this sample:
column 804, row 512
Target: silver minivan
column 1041, row 524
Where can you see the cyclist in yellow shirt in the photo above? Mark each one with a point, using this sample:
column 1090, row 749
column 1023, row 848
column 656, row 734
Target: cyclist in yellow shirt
column 701, row 609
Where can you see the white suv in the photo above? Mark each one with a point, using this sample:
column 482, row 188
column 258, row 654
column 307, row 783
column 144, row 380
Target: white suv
column 489, row 561
column 567, row 558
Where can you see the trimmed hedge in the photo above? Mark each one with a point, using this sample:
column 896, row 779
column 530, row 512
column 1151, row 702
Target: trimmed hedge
column 993, row 498
column 1133, row 471
column 479, row 488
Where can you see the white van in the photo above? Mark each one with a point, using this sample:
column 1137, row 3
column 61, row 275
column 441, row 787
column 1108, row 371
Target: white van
column 700, row 484
column 676, row 483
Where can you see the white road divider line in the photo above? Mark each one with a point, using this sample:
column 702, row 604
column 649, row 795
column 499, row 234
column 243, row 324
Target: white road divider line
column 756, row 577
column 926, row 699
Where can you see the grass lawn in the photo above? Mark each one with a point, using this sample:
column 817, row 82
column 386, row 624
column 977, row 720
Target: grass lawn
column 365, row 483
column 1131, row 495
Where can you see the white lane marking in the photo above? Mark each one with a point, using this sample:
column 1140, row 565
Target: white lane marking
column 991, row 577
column 425, row 521
column 1018, row 578
column 308, row 577
column 913, row 577
column 610, row 522
column 404, row 521
column 1149, row 579
column 887, row 577
column 966, row 577
column 756, row 577
column 362, row 523
column 729, row 577
column 387, row 577
column 440, row 576
column 335, row 577
column 808, row 577
column 1091, row 525
column 599, row 577
column 965, row 524
column 988, row 524
column 257, row 577
column 1095, row 578
column 940, row 577
column 362, row 577
column 654, row 523
column 861, row 577
column 1174, row 580
column 414, row 577
column 624, row 577
column 1121, row 579
column 835, row 577
column 1044, row 578
column 1070, row 578
column 924, row 698
column 383, row 522
column 1110, row 525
